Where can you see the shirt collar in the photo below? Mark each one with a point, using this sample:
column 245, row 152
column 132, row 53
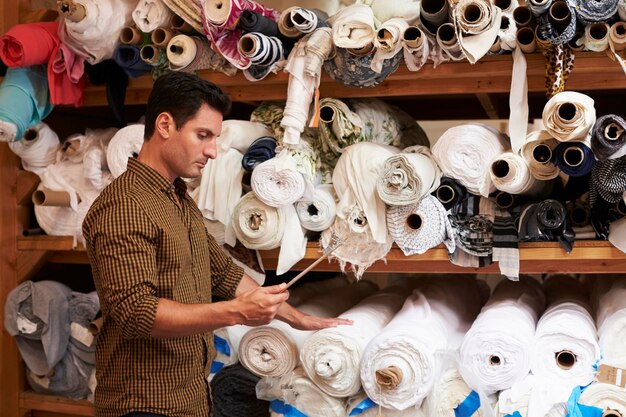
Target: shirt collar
column 149, row 175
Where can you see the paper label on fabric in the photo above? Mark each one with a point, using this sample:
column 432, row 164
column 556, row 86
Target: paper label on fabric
column 24, row 325
column 81, row 334
column 42, row 381
column 611, row 375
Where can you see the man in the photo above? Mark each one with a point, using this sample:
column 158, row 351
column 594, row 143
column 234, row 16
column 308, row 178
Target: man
column 155, row 266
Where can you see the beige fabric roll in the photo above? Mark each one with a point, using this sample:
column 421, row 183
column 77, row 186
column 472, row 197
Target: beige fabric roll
column 611, row 399
column 477, row 25
column 353, row 27
column 537, row 152
column 388, row 41
column 257, row 225
column 569, row 116
column 511, row 173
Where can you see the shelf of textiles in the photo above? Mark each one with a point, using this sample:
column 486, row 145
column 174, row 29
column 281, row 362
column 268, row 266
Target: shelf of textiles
column 30, row 400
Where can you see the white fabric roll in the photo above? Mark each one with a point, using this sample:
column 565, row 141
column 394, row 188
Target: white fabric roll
column 496, row 352
column 407, row 177
column 318, row 213
column 273, row 350
column 353, row 26
column 432, row 228
column 38, row 152
column 231, row 336
column 541, row 169
column 375, row 410
column 151, row 14
column 298, row 294
column 388, row 41
column 354, row 179
column 476, row 36
column 416, row 49
column 610, row 314
column 575, row 126
column 516, row 398
column 331, row 357
column 432, row 321
column 465, row 153
column 518, row 178
column 257, row 225
column 611, row 399
column 126, row 142
column 449, row 392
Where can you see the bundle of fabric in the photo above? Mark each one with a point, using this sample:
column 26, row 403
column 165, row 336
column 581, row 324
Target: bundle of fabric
column 37, row 148
column 353, row 68
column 220, row 25
column 421, row 226
column 609, row 137
column 569, row 116
column 294, row 394
column 273, row 350
column 388, row 41
column 353, row 26
column 608, row 181
column 399, row 366
column 95, row 35
column 363, row 406
column 257, row 225
column 264, row 52
column 537, row 151
column 546, row 221
column 451, row 396
column 149, row 15
column 407, row 177
column 69, row 378
column 565, row 345
column 510, row 173
column 477, row 25
column 495, row 354
column 234, row 394
column 416, row 48
column 24, row 101
column 574, row 158
column 128, row 57
column 604, row 399
column 515, row 399
column 191, row 53
column 609, row 302
column 590, row 11
column 318, row 213
column 465, row 152
column 126, row 143
column 331, row 358
column 562, row 29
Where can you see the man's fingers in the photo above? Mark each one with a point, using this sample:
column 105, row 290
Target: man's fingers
column 276, row 289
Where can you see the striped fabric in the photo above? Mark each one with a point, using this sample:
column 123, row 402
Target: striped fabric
column 146, row 240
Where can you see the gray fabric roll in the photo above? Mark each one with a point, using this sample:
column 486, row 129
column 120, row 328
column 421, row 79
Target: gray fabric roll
column 70, row 379
column 592, row 11
column 609, row 137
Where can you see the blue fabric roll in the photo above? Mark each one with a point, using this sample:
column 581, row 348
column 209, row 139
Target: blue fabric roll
column 25, row 97
column 261, row 150
column 355, row 70
column 129, row 59
column 585, row 166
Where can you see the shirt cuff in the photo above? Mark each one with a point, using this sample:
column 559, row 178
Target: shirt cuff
column 232, row 277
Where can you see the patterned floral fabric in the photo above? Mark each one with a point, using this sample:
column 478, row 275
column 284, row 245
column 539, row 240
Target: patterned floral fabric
column 355, row 70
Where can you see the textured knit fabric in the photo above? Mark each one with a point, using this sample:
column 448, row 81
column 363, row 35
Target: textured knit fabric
column 146, row 240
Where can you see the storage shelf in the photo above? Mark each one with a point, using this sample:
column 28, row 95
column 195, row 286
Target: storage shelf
column 535, row 257
column 30, row 400
column 492, row 74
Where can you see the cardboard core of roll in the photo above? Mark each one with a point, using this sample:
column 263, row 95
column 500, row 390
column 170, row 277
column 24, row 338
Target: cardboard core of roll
column 247, row 45
column 567, row 111
column 559, row 15
column 412, row 34
column 445, row 194
column 180, row 25
column 312, row 210
column 611, row 413
column 579, row 216
column 495, row 360
column 414, row 221
column 522, row 16
column 130, row 36
column 433, row 6
column 565, row 359
column 500, row 169
column 504, row 200
column 389, row 377
column 161, row 36
column 526, row 40
column 46, row 197
column 472, row 13
column 149, row 53
column 613, row 132
column 95, row 326
column 298, row 19
column 503, row 4
column 30, row 134
column 327, row 114
column 573, row 157
column 74, row 12
column 446, row 33
column 598, row 31
column 542, row 153
column 254, row 221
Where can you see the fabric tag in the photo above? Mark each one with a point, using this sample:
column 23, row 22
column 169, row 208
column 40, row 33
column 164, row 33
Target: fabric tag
column 24, row 325
column 81, row 334
column 611, row 375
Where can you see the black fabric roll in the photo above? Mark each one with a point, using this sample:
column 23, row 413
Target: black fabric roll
column 572, row 188
column 234, row 393
column 261, row 150
column 546, row 221
column 116, row 80
column 603, row 145
column 602, row 215
column 447, row 184
column 250, row 21
column 129, row 59
column 608, row 181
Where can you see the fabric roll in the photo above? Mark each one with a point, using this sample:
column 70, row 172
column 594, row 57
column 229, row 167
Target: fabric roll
column 190, row 53
column 95, row 37
column 24, row 101
column 126, row 142
column 416, row 47
column 306, row 21
column 286, row 26
column 250, row 21
column 407, row 177
column 318, row 213
column 417, row 227
column 353, row 26
column 546, row 221
column 450, row 193
column 448, row 42
column 260, row 49
column 609, row 302
column 220, row 26
column 596, row 37
column 558, row 25
column 434, row 13
column 539, row 7
column 569, row 116
column 399, row 366
column 538, row 151
column 510, row 173
column 451, row 396
column 465, row 152
column 477, row 25
column 617, row 38
column 388, row 41
column 609, row 137
column 234, row 393
column 129, row 58
column 331, row 357
column 589, row 11
column 354, row 70
column 574, row 158
column 605, row 398
column 260, row 150
column 38, row 148
column 496, row 351
column 273, row 350
column 363, row 406
column 151, row 14
column 608, row 181
column 69, row 379
column 257, row 225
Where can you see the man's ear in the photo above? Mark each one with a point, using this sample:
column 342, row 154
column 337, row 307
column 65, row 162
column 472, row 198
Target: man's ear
column 165, row 125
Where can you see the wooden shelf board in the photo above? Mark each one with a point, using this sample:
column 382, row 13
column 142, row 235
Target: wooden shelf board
column 30, row 400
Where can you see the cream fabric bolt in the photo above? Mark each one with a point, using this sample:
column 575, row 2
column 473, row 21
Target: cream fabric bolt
column 416, row 51
column 442, row 310
column 496, row 351
column 375, row 410
column 318, row 213
column 610, row 315
column 518, row 178
column 476, row 36
column 518, row 98
column 353, row 27
column 388, row 41
column 465, row 153
column 273, row 350
column 580, row 116
column 329, row 6
column 541, row 170
column 408, row 176
column 151, row 14
column 449, row 392
column 257, row 225
column 126, row 142
column 331, row 357
column 38, row 152
column 609, row 398
column 408, row 10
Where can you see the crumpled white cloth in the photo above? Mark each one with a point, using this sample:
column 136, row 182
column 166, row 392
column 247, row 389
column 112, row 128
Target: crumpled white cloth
column 96, row 36
column 609, row 303
column 449, row 392
column 408, row 10
column 569, row 115
column 388, row 41
column 609, row 398
column 354, row 179
column 510, row 173
column 375, row 411
column 39, row 151
column 126, row 142
column 151, row 14
column 415, row 228
column 273, row 350
column 331, row 357
column 476, row 35
column 541, row 167
column 432, row 321
column 416, row 48
column 496, row 351
column 408, row 176
column 318, row 213
column 465, row 153
column 353, row 26
column 515, row 398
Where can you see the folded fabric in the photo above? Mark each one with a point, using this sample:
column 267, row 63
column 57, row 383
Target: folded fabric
column 273, row 350
column 129, row 58
column 537, row 151
column 69, row 379
column 510, row 173
column 353, row 26
column 234, row 393
column 465, row 152
column 260, row 150
column 318, row 213
column 38, row 148
column 24, row 101
column 331, row 357
column 609, row 137
column 149, row 15
column 569, row 116
column 477, row 24
column 126, row 143
column 609, row 301
column 415, row 228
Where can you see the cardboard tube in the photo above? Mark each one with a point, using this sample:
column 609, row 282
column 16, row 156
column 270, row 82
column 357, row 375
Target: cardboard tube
column 412, row 37
column 179, row 24
column 559, row 15
column 445, row 194
column 446, row 34
column 327, row 114
column 161, row 37
column 472, row 13
column 598, row 31
column 611, row 413
column 573, row 156
column 495, row 360
column 576, row 44
column 46, row 197
column 503, row 4
column 414, row 221
column 150, row 54
column 522, row 16
column 504, row 200
column 433, row 13
column 579, row 216
column 30, row 134
column 567, row 111
column 618, row 35
column 95, row 326
column 130, row 36
column 565, row 359
column 500, row 169
column 613, row 131
column 389, row 377
column 248, row 45
column 526, row 40
column 542, row 43
column 74, row 12
column 542, row 153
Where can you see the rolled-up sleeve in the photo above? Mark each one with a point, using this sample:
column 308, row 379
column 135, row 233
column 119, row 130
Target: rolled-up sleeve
column 225, row 274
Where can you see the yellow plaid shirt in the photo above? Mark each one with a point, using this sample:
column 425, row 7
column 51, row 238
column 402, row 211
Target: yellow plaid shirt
column 144, row 244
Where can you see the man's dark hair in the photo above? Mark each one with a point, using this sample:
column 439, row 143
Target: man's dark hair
column 182, row 94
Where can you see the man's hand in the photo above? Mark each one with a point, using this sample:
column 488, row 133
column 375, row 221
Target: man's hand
column 298, row 320
column 259, row 305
